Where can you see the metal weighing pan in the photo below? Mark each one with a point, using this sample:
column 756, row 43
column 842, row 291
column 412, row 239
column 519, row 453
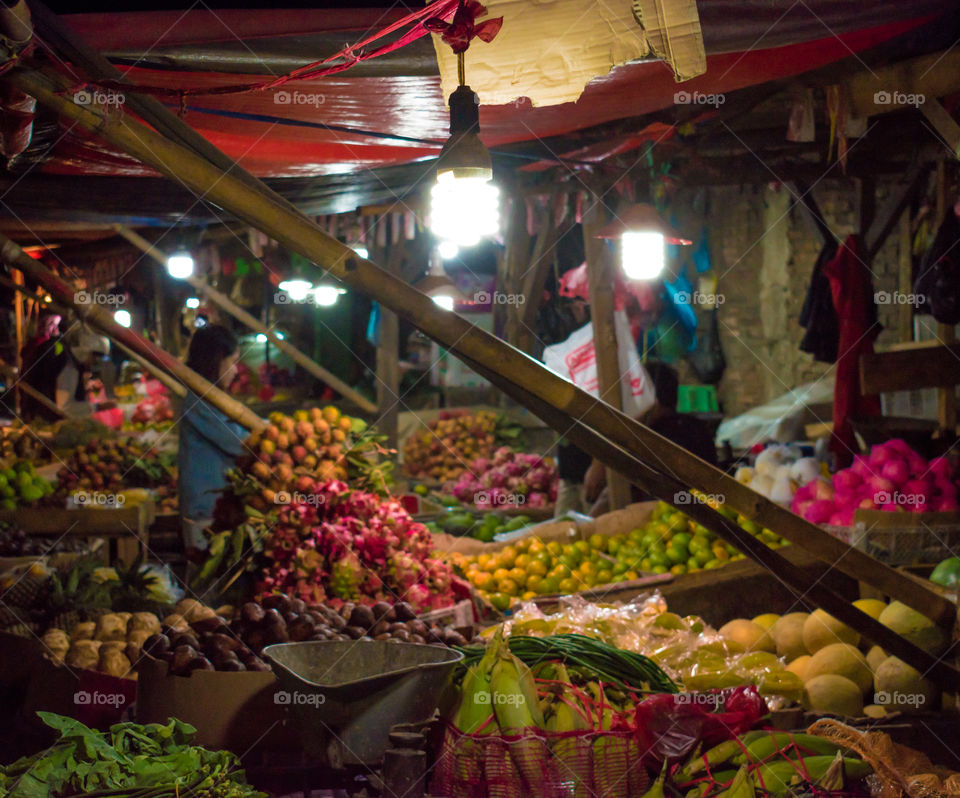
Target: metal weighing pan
column 346, row 694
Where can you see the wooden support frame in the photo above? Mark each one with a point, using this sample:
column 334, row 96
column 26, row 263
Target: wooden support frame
column 388, row 358
column 935, row 366
column 600, row 280
column 886, row 219
column 544, row 389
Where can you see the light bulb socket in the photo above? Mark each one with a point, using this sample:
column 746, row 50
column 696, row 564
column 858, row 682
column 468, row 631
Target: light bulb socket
column 464, row 111
column 463, row 154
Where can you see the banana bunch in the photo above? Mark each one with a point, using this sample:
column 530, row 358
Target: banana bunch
column 775, row 763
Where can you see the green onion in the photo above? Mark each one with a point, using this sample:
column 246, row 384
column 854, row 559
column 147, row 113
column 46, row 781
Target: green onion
column 627, row 669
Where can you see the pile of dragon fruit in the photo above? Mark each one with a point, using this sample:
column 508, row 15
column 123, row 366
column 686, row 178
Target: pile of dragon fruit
column 508, row 479
column 893, row 477
column 332, row 545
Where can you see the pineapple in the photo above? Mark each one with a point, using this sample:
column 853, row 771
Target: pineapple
column 22, row 591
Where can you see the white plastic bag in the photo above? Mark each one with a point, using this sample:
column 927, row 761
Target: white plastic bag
column 576, row 360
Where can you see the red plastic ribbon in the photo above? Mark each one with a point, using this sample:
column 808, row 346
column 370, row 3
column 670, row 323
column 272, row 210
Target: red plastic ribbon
column 463, row 28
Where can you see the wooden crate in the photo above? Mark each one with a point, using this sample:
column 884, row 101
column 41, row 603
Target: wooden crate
column 128, row 526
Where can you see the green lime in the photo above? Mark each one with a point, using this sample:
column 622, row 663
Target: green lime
column 677, row 554
column 8, row 504
column 660, row 569
column 421, row 490
column 3, row 481
column 604, row 577
column 31, row 493
column 499, row 601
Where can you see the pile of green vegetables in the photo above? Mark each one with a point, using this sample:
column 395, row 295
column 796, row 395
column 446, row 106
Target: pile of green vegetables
column 483, row 528
column 129, row 761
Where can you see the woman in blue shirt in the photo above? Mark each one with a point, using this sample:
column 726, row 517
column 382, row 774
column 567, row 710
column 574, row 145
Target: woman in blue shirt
column 209, row 441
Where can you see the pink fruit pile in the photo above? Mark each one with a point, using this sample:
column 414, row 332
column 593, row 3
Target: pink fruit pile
column 893, row 477
column 509, row 479
column 330, row 545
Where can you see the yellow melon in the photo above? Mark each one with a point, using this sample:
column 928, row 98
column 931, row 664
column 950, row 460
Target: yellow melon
column 822, row 629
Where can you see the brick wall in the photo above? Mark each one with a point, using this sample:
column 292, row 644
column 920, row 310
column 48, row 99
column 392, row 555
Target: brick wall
column 763, row 251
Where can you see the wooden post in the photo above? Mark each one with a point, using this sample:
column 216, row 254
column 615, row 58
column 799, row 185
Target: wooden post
column 388, row 358
column 600, row 278
column 257, row 205
column 225, row 303
column 905, row 279
column 18, row 322
column 946, row 333
column 516, row 251
column 534, row 276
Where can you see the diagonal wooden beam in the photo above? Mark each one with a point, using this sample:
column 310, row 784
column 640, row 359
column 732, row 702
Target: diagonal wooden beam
column 886, row 219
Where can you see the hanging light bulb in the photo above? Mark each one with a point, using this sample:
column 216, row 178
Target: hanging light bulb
column 123, row 318
column 447, row 250
column 643, row 236
column 192, row 302
column 261, row 338
column 438, row 286
column 180, row 265
column 298, row 290
column 327, row 295
column 464, row 203
column 361, row 250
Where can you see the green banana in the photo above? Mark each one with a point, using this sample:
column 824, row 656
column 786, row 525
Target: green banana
column 724, row 752
column 656, row 789
column 777, row 778
column 742, row 786
column 775, row 743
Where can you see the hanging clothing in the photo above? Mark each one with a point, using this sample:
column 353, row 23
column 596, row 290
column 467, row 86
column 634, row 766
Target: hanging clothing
column 853, row 301
column 818, row 315
column 939, row 279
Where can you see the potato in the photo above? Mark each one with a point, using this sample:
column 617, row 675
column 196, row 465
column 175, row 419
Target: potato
column 188, row 608
column 111, row 627
column 126, row 617
column 176, row 621
column 143, row 622
column 113, row 662
column 135, row 641
column 84, row 654
column 83, row 631
column 56, row 645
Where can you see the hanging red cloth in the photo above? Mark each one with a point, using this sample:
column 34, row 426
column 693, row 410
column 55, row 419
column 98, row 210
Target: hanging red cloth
column 853, row 300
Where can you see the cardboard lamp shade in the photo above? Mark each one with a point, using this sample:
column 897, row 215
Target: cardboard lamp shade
column 641, row 217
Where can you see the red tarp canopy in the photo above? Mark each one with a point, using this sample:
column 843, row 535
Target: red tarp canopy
column 412, row 105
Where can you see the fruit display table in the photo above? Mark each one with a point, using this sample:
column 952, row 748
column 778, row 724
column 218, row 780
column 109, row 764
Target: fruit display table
column 126, row 527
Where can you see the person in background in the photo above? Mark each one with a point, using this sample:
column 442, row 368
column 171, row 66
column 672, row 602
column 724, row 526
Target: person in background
column 84, row 350
column 683, row 429
column 209, row 441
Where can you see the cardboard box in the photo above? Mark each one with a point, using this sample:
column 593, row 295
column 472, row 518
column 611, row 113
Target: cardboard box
column 96, row 699
column 232, row 711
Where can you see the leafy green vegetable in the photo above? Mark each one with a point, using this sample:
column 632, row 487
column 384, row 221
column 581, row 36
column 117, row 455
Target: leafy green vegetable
column 130, row 761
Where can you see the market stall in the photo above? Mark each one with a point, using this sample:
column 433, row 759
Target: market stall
column 388, row 596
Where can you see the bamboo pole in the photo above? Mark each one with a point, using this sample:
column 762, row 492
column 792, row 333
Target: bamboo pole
column 62, row 293
column 225, row 303
column 29, row 390
column 18, row 321
column 155, row 371
column 456, row 334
